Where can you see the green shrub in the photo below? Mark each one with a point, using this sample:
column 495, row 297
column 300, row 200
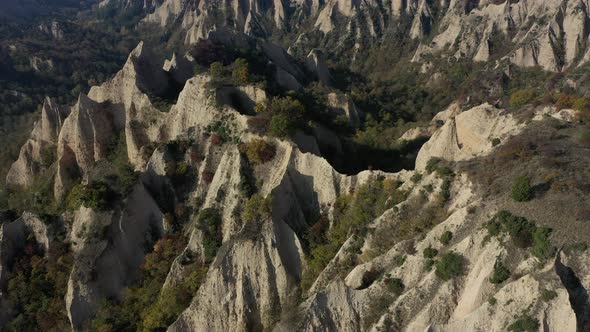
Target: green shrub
column 430, row 252
column 352, row 213
column 288, row 106
column 240, row 72
column 209, row 222
column 181, row 168
column 519, row 228
column 432, row 164
column 446, row 237
column 450, row 266
column 492, row 301
column 74, row 197
column 542, row 247
column 417, row 177
column 260, row 151
column 395, row 285
column 523, row 233
column 500, row 274
column 399, row 260
column 445, row 189
column 260, row 107
column 548, row 295
column 145, row 306
column 48, row 156
column 524, row 324
column 578, row 246
column 321, row 256
column 97, row 195
column 257, row 209
column 428, row 264
column 582, row 104
column 522, row 97
column 444, row 172
column 162, row 105
column 216, row 71
column 126, row 178
column 281, row 126
column 496, row 141
column 222, row 130
column 521, row 189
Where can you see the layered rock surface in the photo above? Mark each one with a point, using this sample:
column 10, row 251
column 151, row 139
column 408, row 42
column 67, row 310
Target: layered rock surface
column 254, row 280
column 551, row 34
column 31, row 160
column 468, row 134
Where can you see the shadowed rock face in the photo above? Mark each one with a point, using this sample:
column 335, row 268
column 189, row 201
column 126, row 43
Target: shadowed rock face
column 578, row 294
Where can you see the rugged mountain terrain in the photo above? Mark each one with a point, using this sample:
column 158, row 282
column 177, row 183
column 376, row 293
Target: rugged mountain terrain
column 551, row 34
column 242, row 186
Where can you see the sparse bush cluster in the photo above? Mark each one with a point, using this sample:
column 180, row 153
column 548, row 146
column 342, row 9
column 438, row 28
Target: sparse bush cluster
column 449, row 266
column 237, row 73
column 257, row 209
column 430, row 253
column 418, row 219
column 446, row 237
column 500, row 274
column 524, row 323
column 352, row 213
column 395, row 285
column 523, row 233
column 280, row 118
column 522, row 97
column 209, row 222
column 97, row 195
column 446, row 173
column 221, row 131
column 145, row 306
column 548, row 295
column 521, row 189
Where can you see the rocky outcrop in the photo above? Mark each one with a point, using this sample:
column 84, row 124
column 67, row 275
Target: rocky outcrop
column 316, row 63
column 54, row 29
column 141, row 75
column 267, row 260
column 468, row 134
column 38, row 153
column 108, row 250
column 253, row 282
column 342, row 105
column 364, row 301
column 335, row 309
column 129, row 93
column 14, row 236
column 83, row 140
column 550, row 34
column 180, row 68
column 436, row 122
column 243, row 16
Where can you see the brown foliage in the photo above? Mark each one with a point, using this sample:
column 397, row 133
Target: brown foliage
column 260, row 151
